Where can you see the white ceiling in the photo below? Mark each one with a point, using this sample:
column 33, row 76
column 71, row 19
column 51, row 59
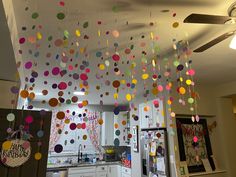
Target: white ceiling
column 213, row 66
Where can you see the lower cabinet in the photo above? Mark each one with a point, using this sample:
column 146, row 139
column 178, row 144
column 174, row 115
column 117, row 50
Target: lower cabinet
column 82, row 172
column 101, row 171
column 96, row 171
column 114, row 171
column 126, row 172
column 83, row 175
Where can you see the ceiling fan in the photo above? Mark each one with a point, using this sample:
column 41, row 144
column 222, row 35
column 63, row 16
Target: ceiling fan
column 215, row 19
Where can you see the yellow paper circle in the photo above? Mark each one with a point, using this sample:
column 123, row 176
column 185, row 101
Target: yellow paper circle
column 145, row 76
column 154, row 91
column 101, row 66
column 6, row 145
column 123, row 81
column 67, row 121
column 39, row 36
column 134, row 81
column 128, row 97
column 182, row 90
column 77, row 33
column 188, row 82
column 116, row 96
column 37, row 156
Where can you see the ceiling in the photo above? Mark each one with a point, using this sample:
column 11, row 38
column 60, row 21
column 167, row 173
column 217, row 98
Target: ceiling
column 131, row 18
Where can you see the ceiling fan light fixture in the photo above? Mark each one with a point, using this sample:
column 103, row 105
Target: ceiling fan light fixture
column 232, row 44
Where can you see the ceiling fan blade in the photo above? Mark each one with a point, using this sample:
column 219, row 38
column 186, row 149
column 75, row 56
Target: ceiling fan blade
column 209, row 19
column 214, row 42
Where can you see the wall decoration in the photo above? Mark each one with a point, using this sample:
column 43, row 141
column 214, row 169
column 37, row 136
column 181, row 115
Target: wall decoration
column 135, row 139
column 15, row 152
column 183, row 169
column 194, row 143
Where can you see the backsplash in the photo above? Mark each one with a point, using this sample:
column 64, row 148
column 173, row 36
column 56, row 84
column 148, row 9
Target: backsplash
column 69, row 157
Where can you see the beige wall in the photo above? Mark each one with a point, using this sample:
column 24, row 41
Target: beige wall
column 222, row 139
column 5, row 94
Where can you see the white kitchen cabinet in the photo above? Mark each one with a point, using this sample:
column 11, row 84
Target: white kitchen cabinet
column 83, row 175
column 126, row 172
column 101, row 174
column 114, row 171
column 107, row 138
column 101, row 171
column 150, row 115
column 82, row 172
column 121, row 132
column 108, row 131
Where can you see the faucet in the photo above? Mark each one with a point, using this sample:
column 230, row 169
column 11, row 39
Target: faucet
column 80, row 154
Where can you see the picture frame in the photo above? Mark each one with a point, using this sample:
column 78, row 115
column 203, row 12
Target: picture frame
column 186, row 130
column 183, row 169
column 135, row 139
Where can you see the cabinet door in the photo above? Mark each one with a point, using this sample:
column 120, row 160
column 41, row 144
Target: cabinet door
column 121, row 132
column 158, row 113
column 145, row 113
column 114, row 171
column 82, row 175
column 152, row 116
column 101, row 174
column 125, row 175
column 88, row 175
column 107, row 138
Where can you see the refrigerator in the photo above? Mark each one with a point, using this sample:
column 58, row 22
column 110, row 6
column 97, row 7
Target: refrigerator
column 154, row 152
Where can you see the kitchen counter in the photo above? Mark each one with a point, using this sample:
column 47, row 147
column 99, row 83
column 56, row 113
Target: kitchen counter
column 61, row 167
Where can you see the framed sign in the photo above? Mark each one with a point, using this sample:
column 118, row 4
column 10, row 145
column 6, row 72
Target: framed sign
column 135, row 139
column 194, row 144
column 183, row 169
column 15, row 152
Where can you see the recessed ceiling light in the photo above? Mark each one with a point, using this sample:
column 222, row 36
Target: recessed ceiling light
column 79, row 93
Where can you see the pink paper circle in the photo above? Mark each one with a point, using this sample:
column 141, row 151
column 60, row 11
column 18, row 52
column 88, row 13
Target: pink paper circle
column 28, row 65
column 22, row 40
column 62, row 86
column 29, row 119
column 116, row 57
column 55, row 70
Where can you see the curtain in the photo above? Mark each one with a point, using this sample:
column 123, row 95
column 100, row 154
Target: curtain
column 56, row 127
column 93, row 129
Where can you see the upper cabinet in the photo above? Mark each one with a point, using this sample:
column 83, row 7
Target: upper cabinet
column 151, row 114
column 107, row 135
column 115, row 129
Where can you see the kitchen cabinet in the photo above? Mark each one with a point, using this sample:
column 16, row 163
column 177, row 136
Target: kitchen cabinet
column 101, row 174
column 83, row 175
column 114, row 171
column 96, row 171
column 121, row 132
column 82, row 172
column 114, row 127
column 107, row 138
column 126, row 172
column 101, row 171
column 152, row 116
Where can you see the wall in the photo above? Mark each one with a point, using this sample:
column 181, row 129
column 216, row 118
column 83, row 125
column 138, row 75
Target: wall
column 220, row 109
column 6, row 95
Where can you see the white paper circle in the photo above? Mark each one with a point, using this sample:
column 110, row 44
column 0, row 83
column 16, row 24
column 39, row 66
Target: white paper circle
column 10, row 117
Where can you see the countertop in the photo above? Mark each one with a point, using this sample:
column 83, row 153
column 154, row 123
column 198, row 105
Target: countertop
column 62, row 167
